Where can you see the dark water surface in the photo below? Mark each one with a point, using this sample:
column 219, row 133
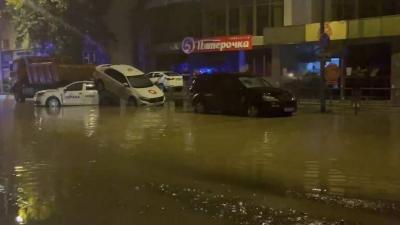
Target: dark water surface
column 90, row 165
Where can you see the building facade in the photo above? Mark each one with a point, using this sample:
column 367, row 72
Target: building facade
column 285, row 41
column 167, row 23
column 363, row 44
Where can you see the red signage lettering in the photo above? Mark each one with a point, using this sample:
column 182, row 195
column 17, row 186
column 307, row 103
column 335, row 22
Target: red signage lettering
column 217, row 44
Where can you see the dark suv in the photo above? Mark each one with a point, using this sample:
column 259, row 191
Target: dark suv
column 240, row 94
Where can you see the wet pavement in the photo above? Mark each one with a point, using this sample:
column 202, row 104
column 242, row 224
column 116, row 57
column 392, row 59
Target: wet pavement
column 117, row 165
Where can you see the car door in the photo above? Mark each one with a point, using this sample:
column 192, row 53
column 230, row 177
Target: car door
column 230, row 95
column 124, row 86
column 112, row 84
column 108, row 81
column 210, row 92
column 118, row 82
column 90, row 94
column 73, row 94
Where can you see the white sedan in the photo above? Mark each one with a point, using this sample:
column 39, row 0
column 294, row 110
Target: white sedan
column 129, row 84
column 167, row 80
column 77, row 93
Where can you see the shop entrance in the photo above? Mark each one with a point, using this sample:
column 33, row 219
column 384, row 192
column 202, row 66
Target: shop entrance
column 260, row 62
column 206, row 63
column 368, row 67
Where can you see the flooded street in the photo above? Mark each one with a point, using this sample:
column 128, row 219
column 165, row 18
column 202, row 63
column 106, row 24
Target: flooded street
column 166, row 165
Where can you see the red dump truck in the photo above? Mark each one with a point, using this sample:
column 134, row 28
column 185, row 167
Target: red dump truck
column 32, row 74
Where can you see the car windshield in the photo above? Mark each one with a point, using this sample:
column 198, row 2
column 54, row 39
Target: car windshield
column 140, row 81
column 172, row 74
column 254, row 82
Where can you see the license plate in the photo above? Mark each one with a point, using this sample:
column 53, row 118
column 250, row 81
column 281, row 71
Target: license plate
column 289, row 109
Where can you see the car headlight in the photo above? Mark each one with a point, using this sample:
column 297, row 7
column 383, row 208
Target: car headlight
column 269, row 98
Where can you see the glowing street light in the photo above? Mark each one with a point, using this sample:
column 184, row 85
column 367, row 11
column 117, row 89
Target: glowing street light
column 19, row 220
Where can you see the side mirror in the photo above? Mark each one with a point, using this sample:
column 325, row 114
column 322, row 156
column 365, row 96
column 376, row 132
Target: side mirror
column 125, row 84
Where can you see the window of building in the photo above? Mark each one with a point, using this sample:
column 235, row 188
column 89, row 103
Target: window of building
column 215, row 22
column 277, row 12
column 234, row 21
column 18, row 44
column 390, row 7
column 246, row 20
column 219, row 22
column 343, row 9
column 378, row 8
column 5, row 44
column 353, row 9
column 174, row 22
column 269, row 13
column 370, row 9
column 263, row 18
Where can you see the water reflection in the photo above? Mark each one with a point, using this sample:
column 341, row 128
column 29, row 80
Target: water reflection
column 92, row 160
column 35, row 192
column 62, row 118
column 312, row 180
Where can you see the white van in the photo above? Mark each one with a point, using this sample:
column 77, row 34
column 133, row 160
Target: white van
column 128, row 83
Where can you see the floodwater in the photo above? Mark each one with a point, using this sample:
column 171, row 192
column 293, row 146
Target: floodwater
column 161, row 166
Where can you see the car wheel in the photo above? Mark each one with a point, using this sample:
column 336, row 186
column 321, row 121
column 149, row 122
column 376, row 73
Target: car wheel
column 132, row 102
column 163, row 88
column 100, row 85
column 252, row 111
column 200, row 107
column 288, row 114
column 53, row 102
column 53, row 111
column 20, row 98
column 105, row 101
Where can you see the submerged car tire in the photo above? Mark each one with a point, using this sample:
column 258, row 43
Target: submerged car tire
column 287, row 114
column 163, row 88
column 53, row 102
column 19, row 98
column 53, row 111
column 200, row 107
column 100, row 85
column 132, row 102
column 105, row 101
column 252, row 110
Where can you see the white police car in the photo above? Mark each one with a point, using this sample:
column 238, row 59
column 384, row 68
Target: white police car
column 77, row 93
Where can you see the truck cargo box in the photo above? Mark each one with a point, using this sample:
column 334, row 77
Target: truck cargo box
column 32, row 74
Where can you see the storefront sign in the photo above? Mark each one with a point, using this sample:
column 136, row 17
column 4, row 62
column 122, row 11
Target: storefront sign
column 217, row 44
column 335, row 30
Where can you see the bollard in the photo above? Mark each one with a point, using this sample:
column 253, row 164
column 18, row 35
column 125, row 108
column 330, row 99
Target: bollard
column 356, row 100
